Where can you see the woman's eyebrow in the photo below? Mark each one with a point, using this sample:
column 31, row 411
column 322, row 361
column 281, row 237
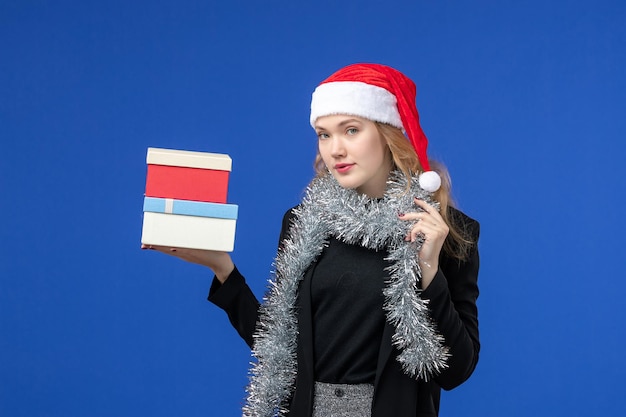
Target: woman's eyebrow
column 340, row 124
column 348, row 121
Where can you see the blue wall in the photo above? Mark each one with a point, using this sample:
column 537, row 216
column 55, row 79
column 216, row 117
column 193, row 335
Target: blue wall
column 523, row 101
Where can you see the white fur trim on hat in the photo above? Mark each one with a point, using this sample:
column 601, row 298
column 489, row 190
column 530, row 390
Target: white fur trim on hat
column 356, row 99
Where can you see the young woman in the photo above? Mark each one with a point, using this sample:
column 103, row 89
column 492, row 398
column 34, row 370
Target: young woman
column 372, row 309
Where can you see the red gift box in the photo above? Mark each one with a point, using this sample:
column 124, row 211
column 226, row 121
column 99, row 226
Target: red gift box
column 187, row 175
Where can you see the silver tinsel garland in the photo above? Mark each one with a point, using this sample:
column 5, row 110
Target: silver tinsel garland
column 331, row 210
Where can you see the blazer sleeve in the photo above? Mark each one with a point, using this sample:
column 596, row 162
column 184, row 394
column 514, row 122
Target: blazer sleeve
column 236, row 298
column 452, row 299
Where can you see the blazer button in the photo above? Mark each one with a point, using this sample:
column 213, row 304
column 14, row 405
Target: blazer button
column 339, row 392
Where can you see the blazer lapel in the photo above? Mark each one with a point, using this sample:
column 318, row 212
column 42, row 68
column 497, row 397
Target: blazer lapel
column 302, row 402
column 384, row 353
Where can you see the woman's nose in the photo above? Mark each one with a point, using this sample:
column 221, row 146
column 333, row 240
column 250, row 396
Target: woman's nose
column 337, row 148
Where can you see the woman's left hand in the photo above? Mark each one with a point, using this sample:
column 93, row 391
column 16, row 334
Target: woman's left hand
column 433, row 227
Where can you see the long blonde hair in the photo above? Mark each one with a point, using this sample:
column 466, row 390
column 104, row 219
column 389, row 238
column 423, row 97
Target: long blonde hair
column 458, row 244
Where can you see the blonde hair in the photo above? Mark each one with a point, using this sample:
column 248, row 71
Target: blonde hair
column 458, row 243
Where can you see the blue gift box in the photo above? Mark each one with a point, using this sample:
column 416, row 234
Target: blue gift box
column 190, row 208
column 189, row 224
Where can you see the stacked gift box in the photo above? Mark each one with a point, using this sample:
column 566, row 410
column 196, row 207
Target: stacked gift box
column 185, row 201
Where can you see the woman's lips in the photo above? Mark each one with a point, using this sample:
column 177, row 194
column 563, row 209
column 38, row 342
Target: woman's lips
column 343, row 168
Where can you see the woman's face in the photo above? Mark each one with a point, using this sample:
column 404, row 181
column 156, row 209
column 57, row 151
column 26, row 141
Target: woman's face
column 355, row 153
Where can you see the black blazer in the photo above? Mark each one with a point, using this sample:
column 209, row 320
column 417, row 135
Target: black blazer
column 452, row 301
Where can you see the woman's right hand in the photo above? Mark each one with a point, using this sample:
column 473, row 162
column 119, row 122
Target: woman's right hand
column 219, row 262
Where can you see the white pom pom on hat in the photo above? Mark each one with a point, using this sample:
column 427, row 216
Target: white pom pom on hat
column 430, row 181
column 381, row 94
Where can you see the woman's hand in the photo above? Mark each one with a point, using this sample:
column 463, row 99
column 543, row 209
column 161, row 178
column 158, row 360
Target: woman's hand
column 220, row 262
column 433, row 227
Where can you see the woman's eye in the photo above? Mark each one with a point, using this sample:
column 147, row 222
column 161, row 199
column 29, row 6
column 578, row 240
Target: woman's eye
column 352, row 131
column 322, row 135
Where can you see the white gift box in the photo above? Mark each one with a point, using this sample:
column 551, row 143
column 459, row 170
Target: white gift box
column 189, row 224
column 194, row 232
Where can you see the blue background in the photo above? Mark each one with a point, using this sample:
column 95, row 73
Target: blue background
column 523, row 101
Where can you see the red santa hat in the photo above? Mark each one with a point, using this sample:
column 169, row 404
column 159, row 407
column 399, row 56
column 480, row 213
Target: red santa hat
column 381, row 94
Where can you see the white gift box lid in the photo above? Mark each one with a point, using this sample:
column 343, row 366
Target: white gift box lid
column 190, row 159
